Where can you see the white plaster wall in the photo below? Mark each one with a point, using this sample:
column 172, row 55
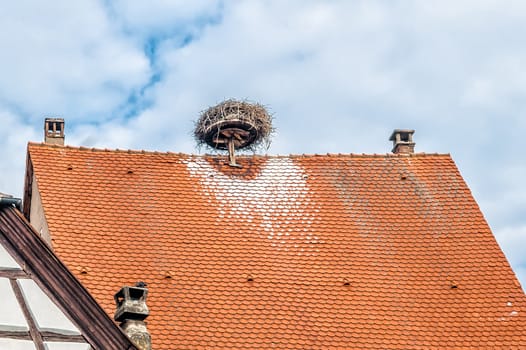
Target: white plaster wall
column 37, row 217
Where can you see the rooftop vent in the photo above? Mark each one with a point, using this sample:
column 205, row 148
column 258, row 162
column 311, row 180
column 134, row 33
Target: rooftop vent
column 131, row 313
column 54, row 131
column 8, row 200
column 402, row 141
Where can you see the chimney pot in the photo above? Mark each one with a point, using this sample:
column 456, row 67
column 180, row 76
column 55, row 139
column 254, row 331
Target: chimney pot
column 402, row 141
column 138, row 334
column 54, row 131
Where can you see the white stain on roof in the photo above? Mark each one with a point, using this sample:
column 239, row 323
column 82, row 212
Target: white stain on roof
column 277, row 197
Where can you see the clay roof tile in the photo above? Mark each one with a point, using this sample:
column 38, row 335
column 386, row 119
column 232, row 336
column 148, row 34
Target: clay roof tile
column 259, row 256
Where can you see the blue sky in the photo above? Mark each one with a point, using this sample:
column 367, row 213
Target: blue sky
column 339, row 76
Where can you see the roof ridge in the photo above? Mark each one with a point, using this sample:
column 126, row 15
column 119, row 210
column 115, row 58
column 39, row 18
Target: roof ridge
column 241, row 155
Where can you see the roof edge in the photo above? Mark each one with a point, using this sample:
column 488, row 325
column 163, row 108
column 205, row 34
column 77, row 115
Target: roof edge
column 50, row 273
column 303, row 155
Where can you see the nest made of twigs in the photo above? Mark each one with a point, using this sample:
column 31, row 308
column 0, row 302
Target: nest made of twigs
column 249, row 125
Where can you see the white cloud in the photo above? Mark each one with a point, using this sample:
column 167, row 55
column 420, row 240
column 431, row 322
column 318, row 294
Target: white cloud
column 65, row 58
column 512, row 240
column 14, row 135
column 338, row 75
column 158, row 15
column 153, row 21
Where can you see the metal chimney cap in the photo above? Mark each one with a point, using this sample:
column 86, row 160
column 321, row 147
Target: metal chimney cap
column 131, row 304
column 402, row 132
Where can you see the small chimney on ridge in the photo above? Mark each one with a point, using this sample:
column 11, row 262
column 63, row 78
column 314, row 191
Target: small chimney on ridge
column 131, row 313
column 54, row 131
column 402, row 141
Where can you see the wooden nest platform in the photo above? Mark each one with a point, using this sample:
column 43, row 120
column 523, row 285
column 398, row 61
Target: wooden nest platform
column 233, row 123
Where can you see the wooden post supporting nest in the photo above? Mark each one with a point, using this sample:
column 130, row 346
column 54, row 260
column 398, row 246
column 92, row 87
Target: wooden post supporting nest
column 232, row 153
column 230, row 139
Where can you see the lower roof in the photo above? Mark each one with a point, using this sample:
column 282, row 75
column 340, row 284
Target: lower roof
column 289, row 252
column 34, row 282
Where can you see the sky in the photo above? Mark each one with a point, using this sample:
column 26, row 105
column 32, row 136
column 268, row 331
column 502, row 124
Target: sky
column 338, row 77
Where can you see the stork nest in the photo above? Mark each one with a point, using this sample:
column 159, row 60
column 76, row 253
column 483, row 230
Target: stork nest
column 249, row 125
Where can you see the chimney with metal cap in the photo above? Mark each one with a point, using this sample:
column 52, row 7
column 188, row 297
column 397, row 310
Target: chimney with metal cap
column 131, row 313
column 402, row 141
column 54, row 131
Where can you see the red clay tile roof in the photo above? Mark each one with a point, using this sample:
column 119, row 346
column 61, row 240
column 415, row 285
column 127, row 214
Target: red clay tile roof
column 290, row 252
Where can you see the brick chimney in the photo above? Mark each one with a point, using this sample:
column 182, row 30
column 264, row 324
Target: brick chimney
column 402, row 141
column 131, row 313
column 54, row 131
